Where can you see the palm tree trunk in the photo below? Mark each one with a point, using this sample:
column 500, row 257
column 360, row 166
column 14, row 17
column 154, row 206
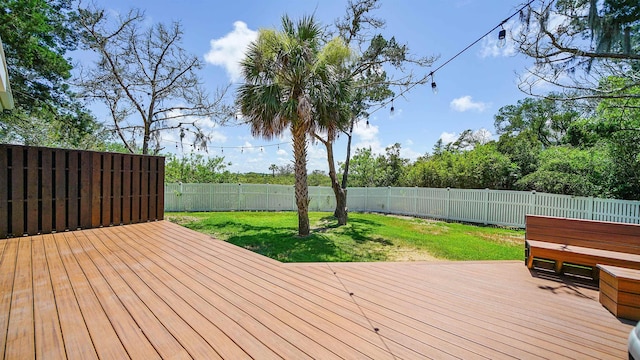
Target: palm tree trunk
column 301, row 187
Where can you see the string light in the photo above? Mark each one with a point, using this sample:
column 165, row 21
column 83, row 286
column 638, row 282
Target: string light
column 434, row 87
column 392, row 108
column 502, row 38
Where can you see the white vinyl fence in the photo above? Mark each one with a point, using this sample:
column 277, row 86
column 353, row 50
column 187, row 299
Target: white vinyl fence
column 497, row 207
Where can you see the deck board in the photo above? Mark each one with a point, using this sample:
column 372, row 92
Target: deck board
column 158, row 290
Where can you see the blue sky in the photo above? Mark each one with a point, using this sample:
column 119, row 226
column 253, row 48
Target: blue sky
column 471, row 88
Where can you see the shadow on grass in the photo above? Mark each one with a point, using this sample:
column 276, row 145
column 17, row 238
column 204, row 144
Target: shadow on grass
column 283, row 243
column 361, row 230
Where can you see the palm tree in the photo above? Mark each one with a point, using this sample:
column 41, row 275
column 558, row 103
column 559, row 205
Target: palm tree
column 273, row 168
column 292, row 80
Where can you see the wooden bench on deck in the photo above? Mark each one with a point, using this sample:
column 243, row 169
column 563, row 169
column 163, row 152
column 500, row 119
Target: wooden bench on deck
column 580, row 245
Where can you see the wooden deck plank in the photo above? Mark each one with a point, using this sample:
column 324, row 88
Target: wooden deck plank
column 497, row 314
column 133, row 339
column 77, row 341
column 139, row 300
column 286, row 296
column 159, row 290
column 105, row 340
column 257, row 304
column 7, row 276
column 48, row 334
column 186, row 288
column 180, row 301
column 20, row 332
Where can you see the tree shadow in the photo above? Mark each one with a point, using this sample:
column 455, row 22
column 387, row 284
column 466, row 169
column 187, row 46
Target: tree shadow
column 283, row 243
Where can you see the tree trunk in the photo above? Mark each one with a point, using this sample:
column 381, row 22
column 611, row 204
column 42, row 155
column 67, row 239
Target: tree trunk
column 345, row 175
column 341, row 194
column 301, row 187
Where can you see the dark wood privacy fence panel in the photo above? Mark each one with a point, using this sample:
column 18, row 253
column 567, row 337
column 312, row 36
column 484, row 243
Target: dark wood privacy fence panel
column 43, row 190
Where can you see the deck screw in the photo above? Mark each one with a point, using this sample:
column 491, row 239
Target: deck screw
column 351, row 293
column 376, row 329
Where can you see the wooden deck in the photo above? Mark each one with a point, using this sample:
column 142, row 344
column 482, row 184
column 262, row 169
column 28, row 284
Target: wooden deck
column 157, row 290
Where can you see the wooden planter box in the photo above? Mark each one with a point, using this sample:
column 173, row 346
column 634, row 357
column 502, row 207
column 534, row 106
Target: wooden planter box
column 620, row 291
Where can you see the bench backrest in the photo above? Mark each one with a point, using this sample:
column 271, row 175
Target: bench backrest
column 586, row 233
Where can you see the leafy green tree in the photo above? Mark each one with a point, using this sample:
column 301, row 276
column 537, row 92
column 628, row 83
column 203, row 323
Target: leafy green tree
column 481, row 167
column 616, row 126
column 195, row 168
column 37, row 35
column 371, row 83
column 364, row 169
column 392, row 166
column 570, row 171
column 547, row 119
column 291, row 81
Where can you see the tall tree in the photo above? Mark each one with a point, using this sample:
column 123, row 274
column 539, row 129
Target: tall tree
column 575, row 43
column 37, row 35
column 372, row 83
column 292, row 80
column 147, row 80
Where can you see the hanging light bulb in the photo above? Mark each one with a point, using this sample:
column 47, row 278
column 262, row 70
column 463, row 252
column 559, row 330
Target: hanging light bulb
column 434, row 87
column 392, row 109
column 367, row 122
column 222, row 150
column 502, row 38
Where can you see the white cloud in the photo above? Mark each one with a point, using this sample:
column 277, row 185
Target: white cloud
column 367, row 137
column 466, row 103
column 282, row 152
column 229, row 50
column 448, row 137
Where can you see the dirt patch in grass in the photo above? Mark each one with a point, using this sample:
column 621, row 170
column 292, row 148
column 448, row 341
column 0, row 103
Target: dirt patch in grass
column 182, row 219
column 403, row 254
column 502, row 239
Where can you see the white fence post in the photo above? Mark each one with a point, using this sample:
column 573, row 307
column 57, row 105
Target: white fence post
column 448, row 203
column 485, row 216
column 532, row 202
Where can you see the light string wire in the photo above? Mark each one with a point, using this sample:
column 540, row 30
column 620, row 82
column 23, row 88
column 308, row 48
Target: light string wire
column 432, row 73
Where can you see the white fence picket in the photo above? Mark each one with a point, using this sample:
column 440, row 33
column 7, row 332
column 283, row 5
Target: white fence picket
column 497, row 207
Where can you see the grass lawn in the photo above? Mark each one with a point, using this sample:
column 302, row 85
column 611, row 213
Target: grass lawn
column 366, row 237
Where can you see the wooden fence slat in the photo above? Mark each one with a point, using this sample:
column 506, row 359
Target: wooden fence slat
column 32, row 191
column 4, row 191
column 86, row 172
column 153, row 189
column 126, row 189
column 136, row 176
column 73, row 212
column 106, row 189
column 46, row 184
column 117, row 189
column 160, row 189
column 60, row 190
column 18, row 227
column 144, row 190
column 96, row 173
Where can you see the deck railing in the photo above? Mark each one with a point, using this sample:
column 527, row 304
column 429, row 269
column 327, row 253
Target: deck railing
column 44, row 190
column 497, row 207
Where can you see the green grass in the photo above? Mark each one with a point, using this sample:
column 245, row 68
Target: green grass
column 366, row 237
